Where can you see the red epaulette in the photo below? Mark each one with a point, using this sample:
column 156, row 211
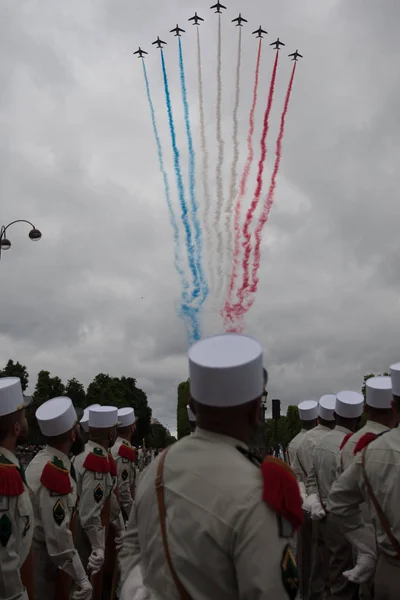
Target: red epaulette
column 364, row 440
column 281, row 490
column 97, row 462
column 345, row 440
column 55, row 477
column 113, row 466
column 127, row 452
column 11, row 483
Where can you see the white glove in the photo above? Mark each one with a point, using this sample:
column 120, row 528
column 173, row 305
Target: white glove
column 84, row 591
column 96, row 560
column 309, row 501
column 363, row 571
column 317, row 512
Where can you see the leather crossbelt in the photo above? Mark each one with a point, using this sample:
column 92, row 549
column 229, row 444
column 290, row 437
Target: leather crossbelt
column 381, row 515
column 161, row 513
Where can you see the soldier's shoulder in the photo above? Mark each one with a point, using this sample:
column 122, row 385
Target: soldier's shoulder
column 95, row 459
column 11, row 481
column 55, row 477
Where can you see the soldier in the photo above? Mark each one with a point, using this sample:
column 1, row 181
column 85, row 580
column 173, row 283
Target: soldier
column 125, row 457
column 311, row 551
column 52, row 481
column 96, row 479
column 206, row 501
column 374, row 478
column 16, row 512
column 308, row 413
column 84, row 422
column 348, row 410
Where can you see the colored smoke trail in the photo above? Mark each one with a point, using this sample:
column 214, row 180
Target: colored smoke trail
column 257, row 194
column 242, row 191
column 172, row 217
column 188, row 311
column 270, row 196
column 205, row 165
column 198, row 249
column 220, row 163
column 235, row 161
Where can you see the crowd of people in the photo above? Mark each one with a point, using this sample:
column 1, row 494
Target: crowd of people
column 206, row 519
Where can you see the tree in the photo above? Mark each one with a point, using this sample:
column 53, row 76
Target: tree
column 293, row 423
column 13, row 369
column 75, row 390
column 182, row 419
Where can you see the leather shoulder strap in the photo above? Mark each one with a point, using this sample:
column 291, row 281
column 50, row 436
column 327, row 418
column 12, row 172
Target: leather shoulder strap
column 162, row 513
column 381, row 515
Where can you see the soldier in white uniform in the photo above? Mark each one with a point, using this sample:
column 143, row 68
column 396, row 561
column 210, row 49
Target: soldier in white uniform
column 207, row 521
column 308, row 419
column 374, row 478
column 125, row 456
column 51, row 479
column 348, row 410
column 16, row 512
column 96, row 478
column 312, row 554
column 84, row 422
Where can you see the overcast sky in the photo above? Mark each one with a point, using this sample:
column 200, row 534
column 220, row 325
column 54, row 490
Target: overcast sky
column 99, row 293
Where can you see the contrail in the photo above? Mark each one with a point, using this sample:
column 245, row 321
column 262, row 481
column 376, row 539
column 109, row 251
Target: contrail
column 172, row 216
column 253, row 206
column 227, row 310
column 220, row 163
column 198, row 250
column 205, row 166
column 193, row 316
column 235, row 161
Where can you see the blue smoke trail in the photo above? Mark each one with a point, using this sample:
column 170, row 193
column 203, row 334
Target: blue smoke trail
column 186, row 310
column 192, row 182
column 172, row 218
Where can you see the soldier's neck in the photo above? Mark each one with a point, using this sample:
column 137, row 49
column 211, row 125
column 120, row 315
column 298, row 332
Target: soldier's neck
column 100, row 442
column 64, row 448
column 10, row 444
column 125, row 437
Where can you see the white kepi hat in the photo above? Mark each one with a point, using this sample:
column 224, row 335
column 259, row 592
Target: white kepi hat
column 103, row 417
column 126, row 416
column 11, row 396
column 85, row 419
column 379, row 392
column 349, row 404
column 226, row 370
column 308, row 410
column 395, row 376
column 326, row 407
column 191, row 415
column 56, row 416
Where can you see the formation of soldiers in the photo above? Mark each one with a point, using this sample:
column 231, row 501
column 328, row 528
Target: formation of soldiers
column 208, row 519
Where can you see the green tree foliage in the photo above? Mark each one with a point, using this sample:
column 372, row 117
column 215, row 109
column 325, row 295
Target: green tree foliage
column 13, row 369
column 120, row 392
column 75, row 390
column 183, row 425
column 159, row 437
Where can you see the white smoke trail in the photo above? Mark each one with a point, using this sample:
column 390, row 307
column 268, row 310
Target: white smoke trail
column 220, row 161
column 205, row 169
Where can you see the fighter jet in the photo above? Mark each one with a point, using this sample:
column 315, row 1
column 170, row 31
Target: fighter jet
column 177, row 31
column 159, row 43
column 196, row 19
column 296, row 55
column 140, row 52
column 260, row 32
column 239, row 20
column 218, row 7
column 277, row 44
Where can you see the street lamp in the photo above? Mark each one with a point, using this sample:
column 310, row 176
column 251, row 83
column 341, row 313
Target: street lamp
column 5, row 244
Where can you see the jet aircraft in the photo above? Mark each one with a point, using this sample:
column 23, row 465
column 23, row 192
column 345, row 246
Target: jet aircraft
column 159, row 43
column 218, row 7
column 196, row 19
column 239, row 20
column 296, row 55
column 277, row 44
column 260, row 32
column 177, row 31
column 140, row 52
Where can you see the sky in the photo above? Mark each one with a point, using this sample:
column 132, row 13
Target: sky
column 99, row 292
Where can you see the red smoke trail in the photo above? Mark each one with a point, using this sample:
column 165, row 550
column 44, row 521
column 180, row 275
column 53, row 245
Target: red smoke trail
column 257, row 194
column 270, row 197
column 242, row 190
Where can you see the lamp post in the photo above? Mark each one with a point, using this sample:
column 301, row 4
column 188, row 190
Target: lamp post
column 5, row 244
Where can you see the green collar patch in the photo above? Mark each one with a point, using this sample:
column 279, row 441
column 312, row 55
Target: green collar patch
column 98, row 451
column 57, row 462
column 59, row 512
column 290, row 576
column 5, row 530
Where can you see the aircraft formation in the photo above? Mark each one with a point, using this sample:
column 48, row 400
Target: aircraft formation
column 197, row 20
